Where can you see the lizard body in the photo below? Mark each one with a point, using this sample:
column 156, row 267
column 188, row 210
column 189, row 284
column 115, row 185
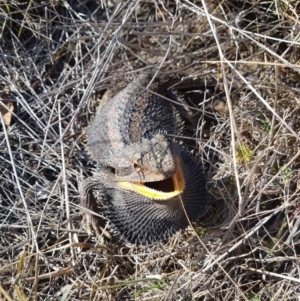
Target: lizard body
column 148, row 182
column 130, row 115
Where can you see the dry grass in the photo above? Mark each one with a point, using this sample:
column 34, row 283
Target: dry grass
column 57, row 60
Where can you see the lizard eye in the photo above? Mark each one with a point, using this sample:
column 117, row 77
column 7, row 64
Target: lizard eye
column 136, row 166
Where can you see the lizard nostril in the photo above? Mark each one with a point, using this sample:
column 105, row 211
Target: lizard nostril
column 136, row 166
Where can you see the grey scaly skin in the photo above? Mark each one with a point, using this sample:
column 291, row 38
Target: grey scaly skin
column 131, row 114
column 149, row 185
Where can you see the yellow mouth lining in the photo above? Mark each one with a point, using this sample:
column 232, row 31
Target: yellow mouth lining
column 178, row 185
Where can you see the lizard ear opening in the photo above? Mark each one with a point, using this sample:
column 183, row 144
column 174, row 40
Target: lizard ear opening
column 111, row 170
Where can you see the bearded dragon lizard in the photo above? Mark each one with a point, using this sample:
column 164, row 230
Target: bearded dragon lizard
column 150, row 185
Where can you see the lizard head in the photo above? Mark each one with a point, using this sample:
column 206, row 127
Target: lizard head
column 150, row 167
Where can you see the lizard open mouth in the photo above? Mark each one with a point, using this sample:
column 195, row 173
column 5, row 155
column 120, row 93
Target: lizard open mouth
column 158, row 190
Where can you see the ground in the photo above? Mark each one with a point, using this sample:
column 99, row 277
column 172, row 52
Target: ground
column 58, row 58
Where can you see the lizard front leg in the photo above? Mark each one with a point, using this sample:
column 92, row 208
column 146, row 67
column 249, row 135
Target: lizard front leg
column 90, row 204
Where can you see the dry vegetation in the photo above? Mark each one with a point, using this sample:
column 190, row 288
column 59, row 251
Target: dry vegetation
column 57, row 60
